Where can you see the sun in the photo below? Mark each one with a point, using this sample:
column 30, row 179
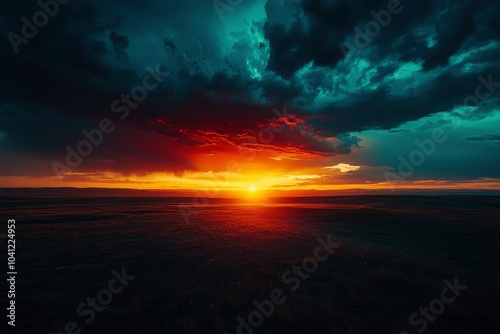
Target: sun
column 254, row 194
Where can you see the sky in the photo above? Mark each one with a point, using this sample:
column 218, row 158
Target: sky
column 250, row 95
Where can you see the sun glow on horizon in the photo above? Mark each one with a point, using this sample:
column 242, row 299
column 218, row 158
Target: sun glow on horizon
column 249, row 184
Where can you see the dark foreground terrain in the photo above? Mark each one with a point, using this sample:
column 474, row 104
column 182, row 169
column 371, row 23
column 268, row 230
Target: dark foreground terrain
column 390, row 259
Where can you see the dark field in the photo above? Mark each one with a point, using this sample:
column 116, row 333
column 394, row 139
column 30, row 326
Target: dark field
column 393, row 254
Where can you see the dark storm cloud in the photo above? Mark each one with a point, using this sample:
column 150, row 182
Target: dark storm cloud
column 321, row 26
column 486, row 138
column 170, row 43
column 313, row 35
column 451, row 36
column 120, row 43
column 66, row 77
column 381, row 109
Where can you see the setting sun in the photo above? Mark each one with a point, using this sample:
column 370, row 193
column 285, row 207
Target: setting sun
column 252, row 188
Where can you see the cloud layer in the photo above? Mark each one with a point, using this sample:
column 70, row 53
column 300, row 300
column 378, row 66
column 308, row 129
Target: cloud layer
column 363, row 108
